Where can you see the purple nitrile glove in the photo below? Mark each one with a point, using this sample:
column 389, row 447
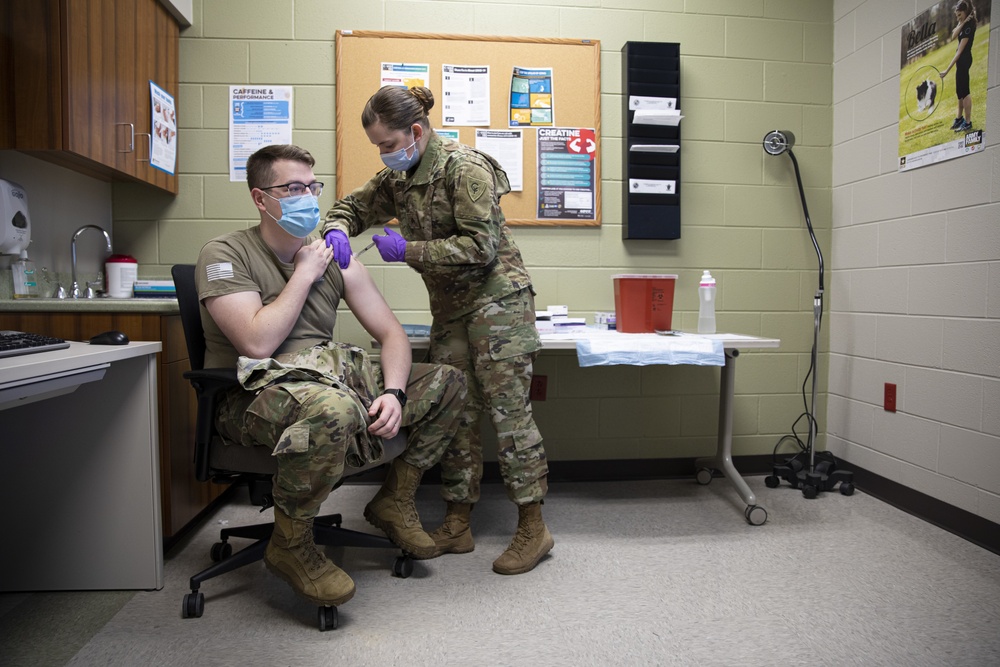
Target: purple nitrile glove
column 337, row 240
column 392, row 246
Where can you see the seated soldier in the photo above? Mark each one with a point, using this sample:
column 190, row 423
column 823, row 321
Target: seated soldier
column 269, row 298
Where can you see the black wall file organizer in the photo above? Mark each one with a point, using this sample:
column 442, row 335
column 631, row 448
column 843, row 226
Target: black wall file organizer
column 651, row 159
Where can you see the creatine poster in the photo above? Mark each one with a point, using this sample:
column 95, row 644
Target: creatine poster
column 944, row 62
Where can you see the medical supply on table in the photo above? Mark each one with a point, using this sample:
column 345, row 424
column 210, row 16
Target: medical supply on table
column 25, row 277
column 646, row 350
column 644, row 303
column 706, row 304
column 605, row 321
column 121, row 272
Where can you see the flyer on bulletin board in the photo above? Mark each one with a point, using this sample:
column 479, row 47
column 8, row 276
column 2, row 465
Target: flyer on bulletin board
column 258, row 116
column 163, row 138
column 566, row 173
column 405, row 75
column 943, row 73
column 532, row 103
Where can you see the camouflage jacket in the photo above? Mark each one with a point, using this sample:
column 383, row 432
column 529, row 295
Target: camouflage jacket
column 339, row 365
column 449, row 213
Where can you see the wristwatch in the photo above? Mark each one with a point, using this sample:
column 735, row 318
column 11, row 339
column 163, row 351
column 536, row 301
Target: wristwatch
column 399, row 394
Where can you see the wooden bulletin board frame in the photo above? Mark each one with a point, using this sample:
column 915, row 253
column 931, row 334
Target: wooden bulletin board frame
column 576, row 83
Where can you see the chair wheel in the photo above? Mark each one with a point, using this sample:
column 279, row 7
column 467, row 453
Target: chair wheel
column 772, row 482
column 847, row 488
column 194, row 605
column 402, row 567
column 755, row 515
column 328, row 619
column 221, row 551
column 703, row 476
column 809, row 491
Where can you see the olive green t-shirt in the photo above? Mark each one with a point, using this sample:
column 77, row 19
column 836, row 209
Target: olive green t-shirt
column 242, row 262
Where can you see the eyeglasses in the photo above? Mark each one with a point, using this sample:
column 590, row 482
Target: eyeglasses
column 295, row 189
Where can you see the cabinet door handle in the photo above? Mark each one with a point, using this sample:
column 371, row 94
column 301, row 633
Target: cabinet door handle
column 149, row 154
column 131, row 140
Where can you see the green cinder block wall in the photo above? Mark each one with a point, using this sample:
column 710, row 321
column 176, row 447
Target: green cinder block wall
column 747, row 67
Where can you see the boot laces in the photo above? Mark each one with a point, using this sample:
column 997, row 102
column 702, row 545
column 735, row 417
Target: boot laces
column 522, row 538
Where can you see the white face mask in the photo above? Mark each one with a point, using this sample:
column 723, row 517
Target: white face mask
column 399, row 160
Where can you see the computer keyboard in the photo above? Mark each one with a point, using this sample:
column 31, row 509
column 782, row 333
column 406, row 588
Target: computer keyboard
column 13, row 343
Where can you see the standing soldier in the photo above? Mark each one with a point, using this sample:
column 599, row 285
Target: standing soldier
column 446, row 197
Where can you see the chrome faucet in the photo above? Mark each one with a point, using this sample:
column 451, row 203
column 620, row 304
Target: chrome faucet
column 74, row 291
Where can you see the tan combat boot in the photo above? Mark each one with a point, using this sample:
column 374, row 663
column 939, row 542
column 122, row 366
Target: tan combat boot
column 292, row 555
column 454, row 536
column 393, row 511
column 530, row 543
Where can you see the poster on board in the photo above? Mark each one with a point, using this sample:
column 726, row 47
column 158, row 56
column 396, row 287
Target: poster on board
column 566, row 178
column 944, row 63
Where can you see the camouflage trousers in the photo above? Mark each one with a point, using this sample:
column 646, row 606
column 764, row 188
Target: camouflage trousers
column 311, row 409
column 495, row 347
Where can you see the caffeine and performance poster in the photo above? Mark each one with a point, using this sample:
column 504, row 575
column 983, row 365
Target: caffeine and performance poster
column 944, row 63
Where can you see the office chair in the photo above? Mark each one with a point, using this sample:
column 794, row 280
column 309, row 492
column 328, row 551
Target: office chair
column 216, row 461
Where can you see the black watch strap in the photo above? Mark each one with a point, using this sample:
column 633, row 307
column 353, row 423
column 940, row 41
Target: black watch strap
column 399, row 394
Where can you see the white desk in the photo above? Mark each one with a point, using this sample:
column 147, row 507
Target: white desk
column 723, row 458
column 79, row 469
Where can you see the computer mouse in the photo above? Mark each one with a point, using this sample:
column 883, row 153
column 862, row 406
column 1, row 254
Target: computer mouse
column 110, row 338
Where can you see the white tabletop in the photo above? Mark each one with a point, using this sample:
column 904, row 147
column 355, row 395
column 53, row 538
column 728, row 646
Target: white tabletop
column 74, row 357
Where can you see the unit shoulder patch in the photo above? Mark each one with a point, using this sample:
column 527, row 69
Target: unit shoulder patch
column 476, row 187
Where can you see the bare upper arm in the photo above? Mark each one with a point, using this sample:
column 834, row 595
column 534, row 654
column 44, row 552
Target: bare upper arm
column 234, row 313
column 367, row 303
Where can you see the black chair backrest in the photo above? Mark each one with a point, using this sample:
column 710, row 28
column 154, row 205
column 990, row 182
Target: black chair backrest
column 190, row 308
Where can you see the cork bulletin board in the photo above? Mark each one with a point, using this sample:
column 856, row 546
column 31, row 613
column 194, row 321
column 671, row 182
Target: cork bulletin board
column 576, row 91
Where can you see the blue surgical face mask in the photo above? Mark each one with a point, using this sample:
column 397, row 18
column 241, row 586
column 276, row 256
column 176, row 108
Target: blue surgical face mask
column 399, row 160
column 299, row 215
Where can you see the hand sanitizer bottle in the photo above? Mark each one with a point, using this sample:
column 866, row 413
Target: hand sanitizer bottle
column 706, row 304
column 25, row 278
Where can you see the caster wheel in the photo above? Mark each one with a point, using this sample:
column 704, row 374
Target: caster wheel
column 194, row 605
column 328, row 618
column 703, row 476
column 809, row 491
column 755, row 515
column 771, row 482
column 402, row 567
column 847, row 488
column 221, row 551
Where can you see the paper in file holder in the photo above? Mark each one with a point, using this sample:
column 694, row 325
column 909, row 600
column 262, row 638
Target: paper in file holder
column 653, row 148
column 657, row 117
column 647, row 186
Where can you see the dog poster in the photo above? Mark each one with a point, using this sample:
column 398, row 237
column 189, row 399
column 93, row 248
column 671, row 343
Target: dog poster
column 943, row 70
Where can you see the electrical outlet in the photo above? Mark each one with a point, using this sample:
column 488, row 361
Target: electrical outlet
column 539, row 383
column 889, row 402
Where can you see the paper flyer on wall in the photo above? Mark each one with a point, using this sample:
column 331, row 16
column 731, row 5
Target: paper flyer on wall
column 532, row 102
column 507, row 147
column 944, row 62
column 163, row 138
column 258, row 116
column 466, row 93
column 566, row 173
column 405, row 75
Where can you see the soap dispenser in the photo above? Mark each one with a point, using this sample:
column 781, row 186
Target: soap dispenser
column 25, row 277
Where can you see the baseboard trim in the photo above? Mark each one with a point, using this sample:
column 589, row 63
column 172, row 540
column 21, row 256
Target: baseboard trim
column 963, row 523
column 956, row 520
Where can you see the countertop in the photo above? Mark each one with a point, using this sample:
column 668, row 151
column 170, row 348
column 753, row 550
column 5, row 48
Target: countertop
column 98, row 305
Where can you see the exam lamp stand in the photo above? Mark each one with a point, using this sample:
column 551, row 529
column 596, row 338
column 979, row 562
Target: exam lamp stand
column 802, row 470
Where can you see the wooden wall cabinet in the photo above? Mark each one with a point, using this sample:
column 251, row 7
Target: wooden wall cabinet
column 76, row 83
column 182, row 496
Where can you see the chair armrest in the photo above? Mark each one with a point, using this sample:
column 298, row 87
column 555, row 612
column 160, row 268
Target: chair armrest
column 208, row 384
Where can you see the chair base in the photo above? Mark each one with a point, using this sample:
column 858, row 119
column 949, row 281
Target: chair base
column 327, row 531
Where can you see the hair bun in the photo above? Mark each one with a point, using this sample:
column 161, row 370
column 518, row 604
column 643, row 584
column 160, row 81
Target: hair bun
column 424, row 96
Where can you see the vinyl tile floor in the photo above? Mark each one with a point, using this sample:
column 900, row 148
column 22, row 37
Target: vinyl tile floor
column 642, row 573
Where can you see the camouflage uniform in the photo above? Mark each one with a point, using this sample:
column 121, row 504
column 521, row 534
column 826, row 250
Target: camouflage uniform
column 311, row 407
column 480, row 297
column 309, row 404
